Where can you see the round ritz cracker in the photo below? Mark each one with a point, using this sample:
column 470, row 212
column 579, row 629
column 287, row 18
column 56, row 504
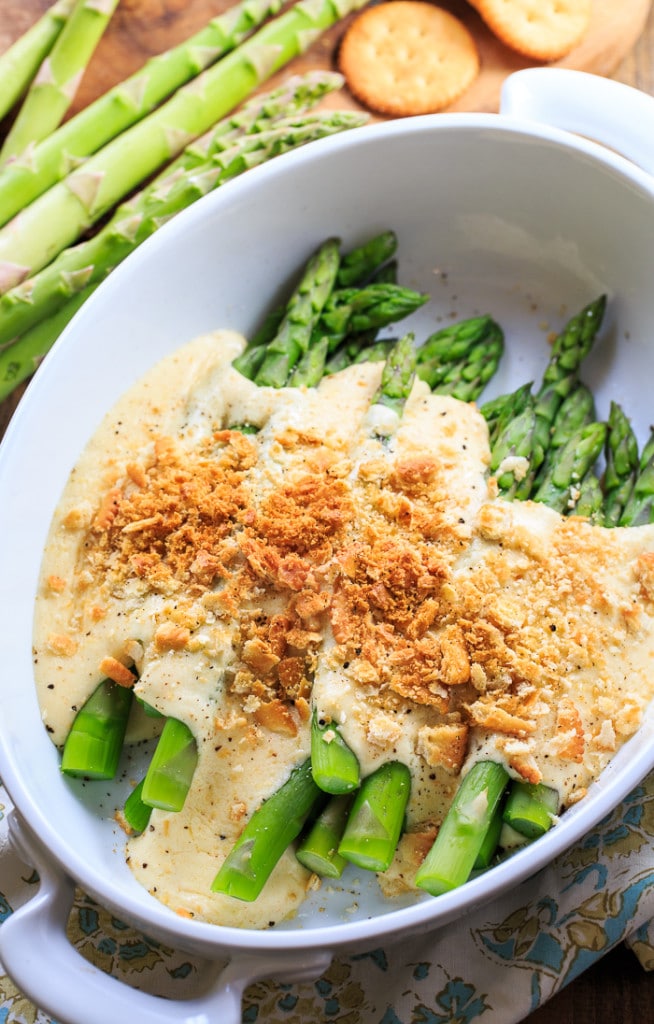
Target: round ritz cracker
column 407, row 57
column 544, row 30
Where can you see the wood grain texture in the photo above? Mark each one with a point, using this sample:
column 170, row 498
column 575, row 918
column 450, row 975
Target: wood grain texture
column 621, row 44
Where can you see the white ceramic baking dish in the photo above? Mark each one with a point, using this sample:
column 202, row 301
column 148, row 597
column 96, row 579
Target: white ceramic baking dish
column 504, row 214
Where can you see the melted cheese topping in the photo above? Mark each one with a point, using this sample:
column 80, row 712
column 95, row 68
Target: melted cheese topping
column 376, row 578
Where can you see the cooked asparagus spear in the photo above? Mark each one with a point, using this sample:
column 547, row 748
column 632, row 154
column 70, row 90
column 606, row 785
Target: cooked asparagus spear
column 59, row 216
column 95, row 741
column 465, row 378
column 355, row 311
column 559, row 488
column 20, row 63
column 590, row 502
column 639, row 507
column 461, row 835
column 530, row 808
column 499, row 411
column 124, row 105
column 334, row 765
column 398, row 375
column 169, row 776
column 301, row 316
column 267, row 835
column 137, row 814
column 318, row 851
column 621, row 464
column 375, row 821
column 515, row 447
column 361, row 263
column 54, row 87
column 310, row 369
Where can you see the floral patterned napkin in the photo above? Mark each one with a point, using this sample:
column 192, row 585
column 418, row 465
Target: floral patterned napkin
column 542, row 935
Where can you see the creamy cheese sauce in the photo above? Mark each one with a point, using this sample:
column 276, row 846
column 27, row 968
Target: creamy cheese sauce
column 345, row 560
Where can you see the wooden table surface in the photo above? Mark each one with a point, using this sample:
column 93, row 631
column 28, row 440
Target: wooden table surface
column 617, row 989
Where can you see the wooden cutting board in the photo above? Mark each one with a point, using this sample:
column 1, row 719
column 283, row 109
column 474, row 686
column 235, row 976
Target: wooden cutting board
column 142, row 28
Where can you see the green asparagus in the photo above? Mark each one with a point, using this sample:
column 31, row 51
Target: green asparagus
column 318, row 851
column 375, row 821
column 466, row 378
column 90, row 261
column 301, row 316
column 639, row 507
column 169, row 776
column 20, row 63
column 20, row 360
column 398, row 375
column 530, row 808
column 121, row 107
column 353, row 311
column 621, row 464
column 361, row 263
column 59, row 216
column 268, row 833
column 135, row 811
column 310, row 369
column 452, row 857
column 334, row 766
column 95, row 741
column 54, row 87
column 559, row 488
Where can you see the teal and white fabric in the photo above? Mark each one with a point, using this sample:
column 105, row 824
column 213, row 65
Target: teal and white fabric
column 493, row 967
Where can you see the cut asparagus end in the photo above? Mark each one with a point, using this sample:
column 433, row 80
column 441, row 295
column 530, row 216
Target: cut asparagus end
column 456, row 847
column 267, row 835
column 318, row 851
column 530, row 809
column 170, row 774
column 375, row 821
column 490, row 843
column 95, row 741
column 334, row 765
column 136, row 813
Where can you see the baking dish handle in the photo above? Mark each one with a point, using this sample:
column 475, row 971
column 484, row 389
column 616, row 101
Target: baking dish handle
column 617, row 115
column 37, row 955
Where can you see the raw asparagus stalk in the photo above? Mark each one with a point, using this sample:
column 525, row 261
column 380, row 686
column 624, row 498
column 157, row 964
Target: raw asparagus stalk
column 170, row 773
column 361, row 263
column 125, row 104
column 375, row 821
column 621, row 464
column 301, row 316
column 530, row 808
column 58, row 217
column 398, row 375
column 559, row 487
column 20, row 360
column 20, row 63
column 55, row 85
column 334, row 765
column 89, row 262
column 295, row 97
column 95, row 741
column 318, row 851
column 461, row 835
column 136, row 813
column 268, row 833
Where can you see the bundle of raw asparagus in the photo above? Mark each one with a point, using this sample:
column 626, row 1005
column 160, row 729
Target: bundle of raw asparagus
column 169, row 121
column 546, row 446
